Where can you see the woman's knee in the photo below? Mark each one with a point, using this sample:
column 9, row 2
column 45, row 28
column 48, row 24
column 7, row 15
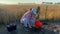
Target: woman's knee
column 25, row 22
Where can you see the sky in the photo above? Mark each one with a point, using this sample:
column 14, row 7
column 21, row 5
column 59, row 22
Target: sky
column 26, row 1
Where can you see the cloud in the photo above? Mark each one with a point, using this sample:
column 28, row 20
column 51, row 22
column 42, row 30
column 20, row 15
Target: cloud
column 50, row 1
column 20, row 1
column 26, row 1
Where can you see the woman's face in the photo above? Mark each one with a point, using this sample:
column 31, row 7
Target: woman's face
column 33, row 16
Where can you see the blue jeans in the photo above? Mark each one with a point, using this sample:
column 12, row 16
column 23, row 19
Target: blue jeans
column 25, row 22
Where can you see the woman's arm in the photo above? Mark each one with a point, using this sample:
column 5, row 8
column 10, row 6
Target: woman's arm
column 29, row 25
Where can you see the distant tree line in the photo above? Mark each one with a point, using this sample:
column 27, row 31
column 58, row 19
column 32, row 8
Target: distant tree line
column 47, row 2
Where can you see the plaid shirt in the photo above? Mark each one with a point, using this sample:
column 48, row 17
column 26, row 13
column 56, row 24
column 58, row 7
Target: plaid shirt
column 26, row 15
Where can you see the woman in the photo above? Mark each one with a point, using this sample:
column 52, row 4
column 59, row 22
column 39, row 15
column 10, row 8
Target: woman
column 28, row 18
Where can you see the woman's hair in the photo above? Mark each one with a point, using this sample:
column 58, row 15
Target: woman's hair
column 30, row 8
column 38, row 8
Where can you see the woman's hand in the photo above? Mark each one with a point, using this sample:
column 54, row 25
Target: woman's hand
column 30, row 27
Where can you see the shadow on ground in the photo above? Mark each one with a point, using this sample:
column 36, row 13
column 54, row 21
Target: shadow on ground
column 20, row 30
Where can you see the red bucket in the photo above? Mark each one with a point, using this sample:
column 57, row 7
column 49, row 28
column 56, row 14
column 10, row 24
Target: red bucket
column 38, row 24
